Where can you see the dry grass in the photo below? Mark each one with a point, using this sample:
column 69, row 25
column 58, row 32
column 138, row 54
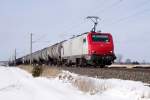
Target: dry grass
column 90, row 86
column 50, row 71
column 84, row 84
column 37, row 71
column 46, row 70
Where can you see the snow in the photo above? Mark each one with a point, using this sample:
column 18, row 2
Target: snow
column 17, row 84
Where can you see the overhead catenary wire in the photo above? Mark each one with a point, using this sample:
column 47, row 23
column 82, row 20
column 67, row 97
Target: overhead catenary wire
column 142, row 4
column 104, row 9
column 128, row 17
column 40, row 38
column 117, row 3
column 114, row 4
column 75, row 26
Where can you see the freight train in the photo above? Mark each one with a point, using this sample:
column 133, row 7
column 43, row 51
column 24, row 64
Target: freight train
column 87, row 49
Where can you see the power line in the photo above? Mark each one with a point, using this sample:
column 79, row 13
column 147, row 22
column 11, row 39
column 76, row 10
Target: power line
column 110, row 6
column 142, row 4
column 79, row 25
column 41, row 37
column 15, row 56
column 41, row 41
column 75, row 26
column 31, row 41
column 136, row 13
column 129, row 16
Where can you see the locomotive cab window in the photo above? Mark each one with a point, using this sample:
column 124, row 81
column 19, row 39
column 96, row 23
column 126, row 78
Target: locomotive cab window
column 100, row 38
column 84, row 40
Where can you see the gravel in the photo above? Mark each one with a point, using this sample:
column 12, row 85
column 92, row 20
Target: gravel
column 136, row 74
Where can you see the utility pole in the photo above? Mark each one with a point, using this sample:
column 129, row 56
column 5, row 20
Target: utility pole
column 31, row 48
column 15, row 58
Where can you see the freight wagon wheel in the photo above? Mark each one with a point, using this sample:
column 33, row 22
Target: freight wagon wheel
column 68, row 63
column 82, row 62
column 77, row 62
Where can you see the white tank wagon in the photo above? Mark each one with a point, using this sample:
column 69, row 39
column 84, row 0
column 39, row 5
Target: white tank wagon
column 49, row 55
column 26, row 59
column 15, row 62
column 54, row 53
column 36, row 56
column 44, row 56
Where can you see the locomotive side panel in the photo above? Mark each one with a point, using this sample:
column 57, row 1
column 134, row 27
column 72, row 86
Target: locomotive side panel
column 79, row 46
column 75, row 47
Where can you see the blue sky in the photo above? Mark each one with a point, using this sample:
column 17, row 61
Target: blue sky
column 51, row 21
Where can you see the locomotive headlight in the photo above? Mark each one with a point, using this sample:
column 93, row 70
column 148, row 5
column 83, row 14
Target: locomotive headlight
column 93, row 51
column 111, row 51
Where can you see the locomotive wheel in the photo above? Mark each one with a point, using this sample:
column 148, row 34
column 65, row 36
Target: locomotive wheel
column 102, row 66
column 82, row 62
column 77, row 62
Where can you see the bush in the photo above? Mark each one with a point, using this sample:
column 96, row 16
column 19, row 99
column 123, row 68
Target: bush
column 37, row 71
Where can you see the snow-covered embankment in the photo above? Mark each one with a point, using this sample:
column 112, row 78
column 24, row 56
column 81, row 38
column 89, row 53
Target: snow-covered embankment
column 16, row 84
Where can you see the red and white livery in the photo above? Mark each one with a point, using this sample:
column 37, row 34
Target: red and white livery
column 92, row 48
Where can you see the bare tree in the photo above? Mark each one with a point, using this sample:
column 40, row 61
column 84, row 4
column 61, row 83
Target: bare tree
column 119, row 58
column 128, row 61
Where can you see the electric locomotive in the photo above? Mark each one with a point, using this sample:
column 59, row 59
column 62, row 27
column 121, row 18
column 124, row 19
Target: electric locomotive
column 90, row 48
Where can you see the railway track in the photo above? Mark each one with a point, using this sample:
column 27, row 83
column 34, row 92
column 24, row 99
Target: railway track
column 130, row 66
column 136, row 74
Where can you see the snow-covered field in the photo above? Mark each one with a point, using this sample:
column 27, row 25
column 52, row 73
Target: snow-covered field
column 16, row 84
